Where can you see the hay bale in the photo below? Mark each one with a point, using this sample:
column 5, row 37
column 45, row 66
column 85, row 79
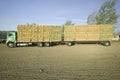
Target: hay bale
column 22, row 35
column 39, row 33
column 81, row 33
column 92, row 37
column 69, row 33
column 29, row 33
column 46, row 33
column 56, row 33
column 93, row 32
column 106, row 32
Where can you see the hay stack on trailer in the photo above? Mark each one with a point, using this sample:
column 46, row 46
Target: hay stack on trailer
column 52, row 33
column 29, row 33
column 56, row 34
column 93, row 32
column 22, row 34
column 84, row 33
column 80, row 33
column 87, row 33
column 39, row 33
column 69, row 33
column 46, row 33
column 106, row 32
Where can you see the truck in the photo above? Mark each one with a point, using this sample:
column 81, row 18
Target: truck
column 40, row 35
column 47, row 35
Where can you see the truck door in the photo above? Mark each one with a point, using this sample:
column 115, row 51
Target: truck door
column 11, row 37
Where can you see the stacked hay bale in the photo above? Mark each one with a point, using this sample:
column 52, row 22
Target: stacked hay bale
column 56, row 34
column 69, row 33
column 35, row 33
column 88, row 33
column 39, row 33
column 106, row 32
column 93, row 32
column 46, row 33
column 81, row 33
column 22, row 35
column 29, row 33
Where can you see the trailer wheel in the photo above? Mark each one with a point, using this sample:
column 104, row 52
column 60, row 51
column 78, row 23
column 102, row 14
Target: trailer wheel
column 69, row 43
column 40, row 44
column 11, row 44
column 107, row 43
column 47, row 44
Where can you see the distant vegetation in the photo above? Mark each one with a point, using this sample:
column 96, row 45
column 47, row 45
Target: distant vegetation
column 106, row 15
column 69, row 22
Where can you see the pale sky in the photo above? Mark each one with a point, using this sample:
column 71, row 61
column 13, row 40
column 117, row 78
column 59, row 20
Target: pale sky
column 51, row 12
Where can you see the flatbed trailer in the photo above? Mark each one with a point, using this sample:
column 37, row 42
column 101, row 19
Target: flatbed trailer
column 102, row 34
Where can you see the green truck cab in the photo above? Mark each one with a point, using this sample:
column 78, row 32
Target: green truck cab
column 11, row 39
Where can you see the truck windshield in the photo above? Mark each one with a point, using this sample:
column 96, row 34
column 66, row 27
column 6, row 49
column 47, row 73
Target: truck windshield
column 10, row 34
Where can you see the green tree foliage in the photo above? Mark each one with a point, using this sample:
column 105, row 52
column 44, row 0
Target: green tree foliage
column 69, row 22
column 92, row 18
column 117, row 26
column 107, row 13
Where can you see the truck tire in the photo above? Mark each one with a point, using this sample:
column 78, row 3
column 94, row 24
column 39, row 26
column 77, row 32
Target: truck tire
column 40, row 44
column 107, row 43
column 47, row 44
column 69, row 43
column 11, row 44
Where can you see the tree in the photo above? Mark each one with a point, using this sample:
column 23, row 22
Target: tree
column 107, row 13
column 69, row 22
column 92, row 18
column 117, row 26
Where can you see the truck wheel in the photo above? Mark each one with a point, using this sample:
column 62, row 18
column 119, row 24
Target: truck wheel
column 47, row 44
column 107, row 43
column 11, row 44
column 69, row 43
column 40, row 44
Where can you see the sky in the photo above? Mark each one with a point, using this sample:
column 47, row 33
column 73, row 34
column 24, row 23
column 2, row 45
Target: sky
column 46, row 12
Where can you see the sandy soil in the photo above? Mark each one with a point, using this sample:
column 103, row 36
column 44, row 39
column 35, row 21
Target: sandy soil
column 78, row 62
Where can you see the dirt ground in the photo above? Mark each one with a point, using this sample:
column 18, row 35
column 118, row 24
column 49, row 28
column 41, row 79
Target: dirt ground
column 78, row 62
